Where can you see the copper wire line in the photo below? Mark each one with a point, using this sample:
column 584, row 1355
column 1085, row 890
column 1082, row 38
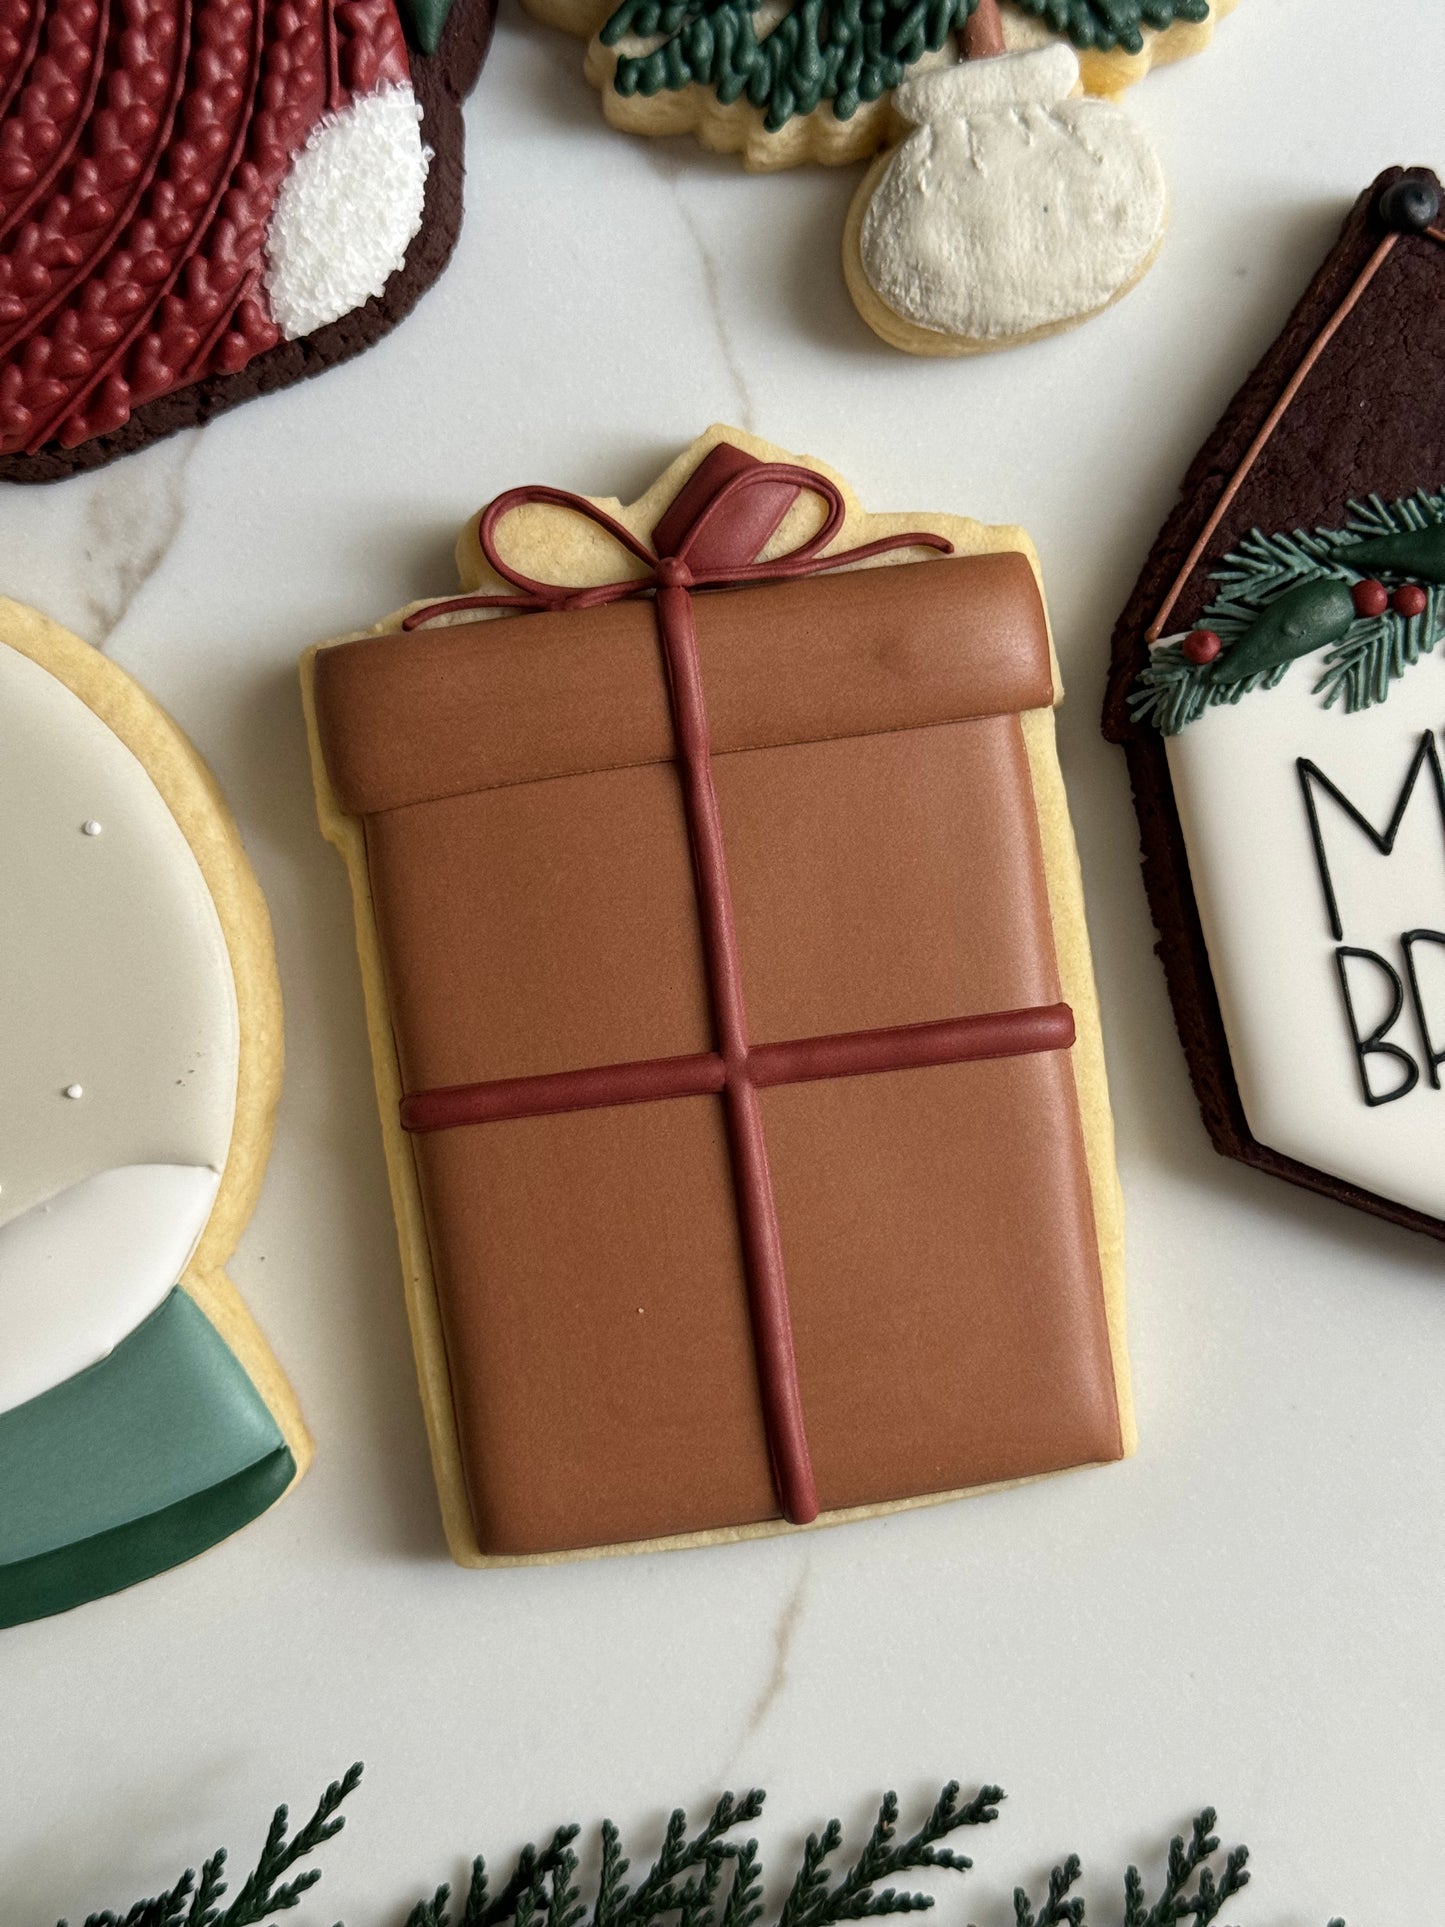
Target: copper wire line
column 1270, row 424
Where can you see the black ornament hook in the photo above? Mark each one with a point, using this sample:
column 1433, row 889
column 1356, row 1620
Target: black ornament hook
column 1410, row 204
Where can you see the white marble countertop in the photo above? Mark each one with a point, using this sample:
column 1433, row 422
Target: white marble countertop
column 1252, row 1611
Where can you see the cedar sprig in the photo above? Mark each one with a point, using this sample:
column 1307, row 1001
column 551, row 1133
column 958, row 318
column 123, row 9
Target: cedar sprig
column 543, row 1891
column 1359, row 670
column 691, row 1875
column 1193, row 1888
column 264, row 1893
column 688, row 1877
column 815, row 1902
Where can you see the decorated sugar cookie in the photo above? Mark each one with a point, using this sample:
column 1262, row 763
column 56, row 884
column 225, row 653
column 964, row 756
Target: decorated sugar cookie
column 141, row 1416
column 200, row 202
column 783, row 82
column 1014, row 209
column 1279, row 683
column 732, row 1012
column 1010, row 207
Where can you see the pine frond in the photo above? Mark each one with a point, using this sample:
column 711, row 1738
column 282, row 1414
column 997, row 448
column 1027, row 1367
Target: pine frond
column 1358, row 671
column 711, row 1879
column 838, row 55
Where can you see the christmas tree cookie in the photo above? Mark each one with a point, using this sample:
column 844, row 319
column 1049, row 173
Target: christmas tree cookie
column 783, row 82
column 1279, row 685
column 1010, row 208
column 202, row 200
column 141, row 1416
column 731, row 1011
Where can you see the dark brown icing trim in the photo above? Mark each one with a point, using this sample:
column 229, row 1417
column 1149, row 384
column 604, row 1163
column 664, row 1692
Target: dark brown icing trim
column 1394, row 439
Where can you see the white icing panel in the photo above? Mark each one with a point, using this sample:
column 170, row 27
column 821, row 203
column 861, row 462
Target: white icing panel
column 114, row 974
column 1263, row 910
column 81, row 1271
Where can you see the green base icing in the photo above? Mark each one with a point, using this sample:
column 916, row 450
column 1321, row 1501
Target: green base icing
column 133, row 1466
column 121, row 1557
column 423, row 21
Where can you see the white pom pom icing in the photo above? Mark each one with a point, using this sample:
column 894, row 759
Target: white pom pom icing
column 347, row 211
column 1011, row 210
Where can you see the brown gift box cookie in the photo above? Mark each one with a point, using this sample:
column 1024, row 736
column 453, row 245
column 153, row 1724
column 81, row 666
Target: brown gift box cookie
column 726, row 964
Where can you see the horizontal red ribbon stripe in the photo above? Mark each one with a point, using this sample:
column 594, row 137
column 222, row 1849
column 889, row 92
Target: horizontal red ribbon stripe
column 859, row 1053
column 912, row 1047
column 644, row 1082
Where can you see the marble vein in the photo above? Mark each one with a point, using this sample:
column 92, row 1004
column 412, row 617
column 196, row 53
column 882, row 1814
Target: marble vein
column 667, row 167
column 785, row 1633
column 134, row 514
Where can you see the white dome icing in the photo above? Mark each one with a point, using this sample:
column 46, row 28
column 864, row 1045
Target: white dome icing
column 80, row 1272
column 114, row 972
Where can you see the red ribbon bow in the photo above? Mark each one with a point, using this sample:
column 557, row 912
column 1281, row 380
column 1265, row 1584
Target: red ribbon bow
column 670, row 571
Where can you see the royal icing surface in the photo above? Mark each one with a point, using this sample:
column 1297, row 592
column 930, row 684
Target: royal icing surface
column 1303, row 1059
column 118, row 1010
column 1013, row 207
column 80, row 1272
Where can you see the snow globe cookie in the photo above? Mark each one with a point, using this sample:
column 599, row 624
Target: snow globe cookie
column 142, row 1417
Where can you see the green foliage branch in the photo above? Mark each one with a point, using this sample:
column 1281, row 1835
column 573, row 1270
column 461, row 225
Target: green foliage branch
column 1358, row 671
column 839, row 52
column 707, row 1879
column 264, row 1893
column 1107, row 24
column 842, row 52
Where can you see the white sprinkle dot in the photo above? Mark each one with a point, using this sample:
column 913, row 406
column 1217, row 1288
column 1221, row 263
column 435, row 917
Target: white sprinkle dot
column 75, row 1090
column 90, row 827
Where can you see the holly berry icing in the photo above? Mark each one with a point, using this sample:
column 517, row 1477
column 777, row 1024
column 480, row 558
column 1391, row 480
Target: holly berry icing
column 1410, row 600
column 1370, row 598
column 1367, row 601
column 1201, row 647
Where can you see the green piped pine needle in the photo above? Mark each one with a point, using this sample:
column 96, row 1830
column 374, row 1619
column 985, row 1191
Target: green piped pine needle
column 835, row 54
column 1359, row 670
